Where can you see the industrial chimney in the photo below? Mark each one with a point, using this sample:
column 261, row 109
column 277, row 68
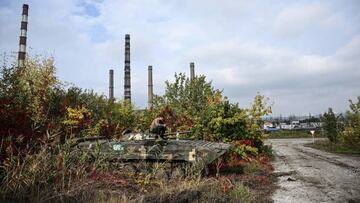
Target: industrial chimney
column 127, row 79
column 23, row 33
column 111, row 85
column 150, row 88
column 192, row 70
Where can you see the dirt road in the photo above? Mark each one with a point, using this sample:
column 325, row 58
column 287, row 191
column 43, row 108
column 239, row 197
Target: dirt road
column 310, row 175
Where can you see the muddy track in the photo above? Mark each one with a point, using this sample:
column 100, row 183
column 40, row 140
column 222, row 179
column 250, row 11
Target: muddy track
column 310, row 175
column 330, row 160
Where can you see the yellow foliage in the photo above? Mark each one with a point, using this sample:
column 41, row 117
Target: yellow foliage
column 77, row 115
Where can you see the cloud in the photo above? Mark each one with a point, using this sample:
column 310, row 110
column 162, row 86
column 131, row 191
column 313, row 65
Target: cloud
column 242, row 69
column 303, row 56
column 297, row 19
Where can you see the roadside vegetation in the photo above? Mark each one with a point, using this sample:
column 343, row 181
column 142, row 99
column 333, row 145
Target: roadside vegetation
column 343, row 132
column 329, row 146
column 293, row 134
column 40, row 115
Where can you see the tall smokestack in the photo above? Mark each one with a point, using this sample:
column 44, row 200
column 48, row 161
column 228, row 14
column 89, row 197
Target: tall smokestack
column 127, row 79
column 150, row 88
column 192, row 70
column 111, row 85
column 23, row 32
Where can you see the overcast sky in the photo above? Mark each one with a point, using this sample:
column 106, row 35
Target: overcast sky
column 303, row 55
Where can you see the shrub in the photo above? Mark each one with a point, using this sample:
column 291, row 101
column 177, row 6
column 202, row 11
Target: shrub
column 351, row 134
column 241, row 193
column 211, row 116
column 331, row 125
column 77, row 119
column 34, row 104
column 124, row 116
column 244, row 150
column 267, row 150
column 24, row 104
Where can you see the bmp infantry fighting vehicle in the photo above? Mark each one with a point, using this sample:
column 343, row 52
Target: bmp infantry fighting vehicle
column 137, row 151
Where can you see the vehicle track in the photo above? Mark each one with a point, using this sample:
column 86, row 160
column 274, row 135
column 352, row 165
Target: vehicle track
column 333, row 161
column 310, row 175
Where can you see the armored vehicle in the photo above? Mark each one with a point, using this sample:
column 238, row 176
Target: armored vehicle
column 137, row 150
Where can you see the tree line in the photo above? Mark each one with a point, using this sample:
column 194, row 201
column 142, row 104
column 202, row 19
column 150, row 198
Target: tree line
column 343, row 129
column 37, row 108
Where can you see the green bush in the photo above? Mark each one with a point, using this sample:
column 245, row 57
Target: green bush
column 243, row 150
column 35, row 106
column 241, row 193
column 344, row 132
column 331, row 125
column 351, row 134
column 124, row 116
column 24, row 98
column 211, row 116
column 267, row 149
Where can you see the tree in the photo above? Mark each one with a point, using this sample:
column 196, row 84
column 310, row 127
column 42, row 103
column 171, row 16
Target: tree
column 197, row 105
column 227, row 122
column 124, row 116
column 259, row 108
column 34, row 104
column 351, row 135
column 184, row 100
column 331, row 125
column 184, row 91
column 24, row 103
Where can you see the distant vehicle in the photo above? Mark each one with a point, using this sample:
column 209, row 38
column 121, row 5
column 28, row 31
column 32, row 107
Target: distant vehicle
column 271, row 129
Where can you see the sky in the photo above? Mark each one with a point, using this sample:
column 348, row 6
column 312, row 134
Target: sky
column 303, row 55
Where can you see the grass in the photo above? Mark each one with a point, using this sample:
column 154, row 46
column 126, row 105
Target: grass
column 60, row 175
column 223, row 189
column 326, row 145
column 292, row 134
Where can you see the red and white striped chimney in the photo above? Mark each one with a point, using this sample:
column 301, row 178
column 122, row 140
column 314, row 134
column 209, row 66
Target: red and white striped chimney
column 23, row 33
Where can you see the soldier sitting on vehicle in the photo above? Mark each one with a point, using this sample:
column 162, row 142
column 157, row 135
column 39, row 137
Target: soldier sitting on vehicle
column 158, row 127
